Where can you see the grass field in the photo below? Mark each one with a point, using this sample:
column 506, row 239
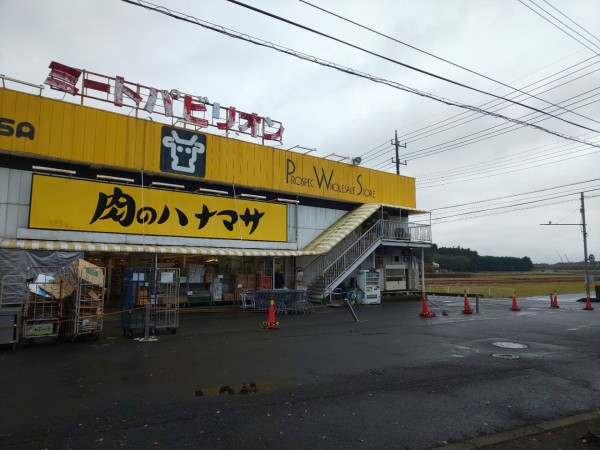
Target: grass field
column 502, row 284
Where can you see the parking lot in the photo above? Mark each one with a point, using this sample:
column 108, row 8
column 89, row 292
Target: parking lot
column 390, row 380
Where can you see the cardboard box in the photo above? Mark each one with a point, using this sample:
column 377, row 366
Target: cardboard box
column 242, row 278
column 55, row 289
column 88, row 272
column 93, row 295
column 208, row 277
column 228, row 296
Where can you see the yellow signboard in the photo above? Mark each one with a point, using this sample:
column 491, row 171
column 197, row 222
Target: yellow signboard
column 45, row 128
column 78, row 205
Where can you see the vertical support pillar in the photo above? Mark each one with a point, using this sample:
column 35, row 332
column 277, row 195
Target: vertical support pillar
column 109, row 279
column 422, row 271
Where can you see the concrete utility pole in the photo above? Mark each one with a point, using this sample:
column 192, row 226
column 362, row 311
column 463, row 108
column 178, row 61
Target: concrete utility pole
column 585, row 251
column 397, row 144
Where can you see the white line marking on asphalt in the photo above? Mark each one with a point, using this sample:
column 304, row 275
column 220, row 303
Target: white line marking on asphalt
column 482, row 318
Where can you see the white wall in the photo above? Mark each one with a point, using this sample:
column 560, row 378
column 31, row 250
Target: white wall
column 313, row 221
column 15, row 192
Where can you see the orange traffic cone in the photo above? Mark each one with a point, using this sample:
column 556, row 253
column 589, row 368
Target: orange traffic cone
column 271, row 323
column 467, row 309
column 426, row 312
column 515, row 307
column 588, row 304
column 555, row 301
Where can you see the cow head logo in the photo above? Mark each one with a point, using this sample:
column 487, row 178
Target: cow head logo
column 183, row 151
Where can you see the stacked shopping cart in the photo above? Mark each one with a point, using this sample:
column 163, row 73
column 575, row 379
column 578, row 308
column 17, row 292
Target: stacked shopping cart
column 287, row 301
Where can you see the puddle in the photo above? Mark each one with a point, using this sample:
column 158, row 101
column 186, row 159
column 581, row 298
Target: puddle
column 509, row 345
column 238, row 389
column 505, row 356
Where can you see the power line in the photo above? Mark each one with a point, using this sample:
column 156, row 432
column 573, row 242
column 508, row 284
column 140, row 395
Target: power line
column 456, row 120
column 430, row 54
column 412, row 139
column 564, row 15
column 493, row 213
column 517, row 195
column 444, row 181
column 472, row 118
column 394, row 61
column 524, row 87
column 495, row 163
column 561, row 29
column 460, row 141
column 544, row 197
column 486, row 176
column 523, row 205
column 262, row 43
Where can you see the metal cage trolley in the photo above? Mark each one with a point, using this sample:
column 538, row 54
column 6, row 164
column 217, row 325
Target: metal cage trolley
column 150, row 299
column 42, row 311
column 84, row 309
column 164, row 310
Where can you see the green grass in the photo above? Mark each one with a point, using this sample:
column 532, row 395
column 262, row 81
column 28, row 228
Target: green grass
column 502, row 284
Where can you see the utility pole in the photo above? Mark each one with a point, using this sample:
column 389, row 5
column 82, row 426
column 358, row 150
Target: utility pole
column 397, row 144
column 585, row 251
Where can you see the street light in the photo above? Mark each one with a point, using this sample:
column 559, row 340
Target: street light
column 586, row 258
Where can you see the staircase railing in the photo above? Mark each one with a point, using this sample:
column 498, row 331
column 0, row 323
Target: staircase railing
column 344, row 256
column 316, row 267
column 369, row 239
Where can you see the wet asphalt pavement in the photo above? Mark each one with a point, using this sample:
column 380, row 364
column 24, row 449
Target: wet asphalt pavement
column 392, row 380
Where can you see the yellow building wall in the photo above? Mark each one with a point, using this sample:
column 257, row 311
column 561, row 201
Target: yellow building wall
column 81, row 134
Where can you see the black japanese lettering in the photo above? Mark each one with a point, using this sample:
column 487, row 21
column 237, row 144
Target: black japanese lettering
column 204, row 216
column 119, row 207
column 233, row 218
column 254, row 218
column 183, row 220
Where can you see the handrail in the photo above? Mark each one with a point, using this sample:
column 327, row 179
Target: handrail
column 4, row 78
column 316, row 267
column 347, row 252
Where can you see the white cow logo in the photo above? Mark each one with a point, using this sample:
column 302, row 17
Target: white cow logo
column 179, row 147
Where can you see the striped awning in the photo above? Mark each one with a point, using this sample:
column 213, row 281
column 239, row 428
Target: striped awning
column 322, row 244
column 341, row 228
column 132, row 248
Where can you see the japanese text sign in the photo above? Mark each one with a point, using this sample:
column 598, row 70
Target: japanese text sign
column 77, row 205
column 193, row 109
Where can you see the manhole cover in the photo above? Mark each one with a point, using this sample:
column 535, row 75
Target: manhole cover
column 504, row 356
column 509, row 345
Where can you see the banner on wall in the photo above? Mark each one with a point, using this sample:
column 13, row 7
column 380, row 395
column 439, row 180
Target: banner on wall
column 78, row 205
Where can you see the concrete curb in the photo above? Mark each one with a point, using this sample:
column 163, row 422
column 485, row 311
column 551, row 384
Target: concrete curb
column 529, row 430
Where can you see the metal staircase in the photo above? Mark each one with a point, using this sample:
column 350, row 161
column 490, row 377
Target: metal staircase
column 327, row 271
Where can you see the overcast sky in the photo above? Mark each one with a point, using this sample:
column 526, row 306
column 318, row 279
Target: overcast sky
column 460, row 158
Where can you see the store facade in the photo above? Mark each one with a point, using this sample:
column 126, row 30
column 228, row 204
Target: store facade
column 146, row 185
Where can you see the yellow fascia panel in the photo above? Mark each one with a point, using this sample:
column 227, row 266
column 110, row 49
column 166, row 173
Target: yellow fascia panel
column 92, row 136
